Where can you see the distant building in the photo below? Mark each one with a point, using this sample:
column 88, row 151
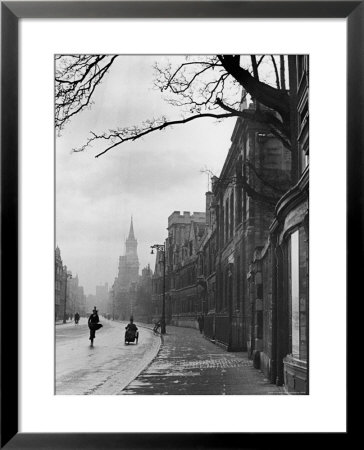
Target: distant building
column 185, row 232
column 129, row 262
column 90, row 303
column 128, row 277
column 142, row 310
column 59, row 294
column 76, row 297
column 102, row 298
column 81, row 301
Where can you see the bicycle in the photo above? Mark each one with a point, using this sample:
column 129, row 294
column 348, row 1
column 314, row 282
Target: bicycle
column 155, row 328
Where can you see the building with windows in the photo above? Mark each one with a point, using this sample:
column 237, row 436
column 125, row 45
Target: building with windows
column 243, row 263
column 185, row 232
column 58, row 285
column 179, row 281
column 240, row 209
column 278, row 275
column 290, row 233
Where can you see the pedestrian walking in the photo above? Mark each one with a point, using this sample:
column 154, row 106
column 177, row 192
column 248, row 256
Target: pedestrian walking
column 93, row 324
column 200, row 321
column 157, row 325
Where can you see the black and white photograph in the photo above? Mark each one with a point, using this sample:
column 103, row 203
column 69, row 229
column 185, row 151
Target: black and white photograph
column 181, row 251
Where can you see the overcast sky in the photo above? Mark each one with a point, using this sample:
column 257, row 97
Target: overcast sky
column 147, row 179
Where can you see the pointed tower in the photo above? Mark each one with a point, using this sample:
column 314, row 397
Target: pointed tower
column 129, row 263
column 131, row 243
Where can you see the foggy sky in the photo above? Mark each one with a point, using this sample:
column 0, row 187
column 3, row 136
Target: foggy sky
column 147, row 179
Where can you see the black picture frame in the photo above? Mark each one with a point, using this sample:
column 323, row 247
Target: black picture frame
column 11, row 12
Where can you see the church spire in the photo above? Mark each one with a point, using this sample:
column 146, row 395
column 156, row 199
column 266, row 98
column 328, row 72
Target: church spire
column 131, row 231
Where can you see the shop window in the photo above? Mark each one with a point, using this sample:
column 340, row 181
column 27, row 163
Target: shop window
column 298, row 294
column 259, row 291
column 295, row 293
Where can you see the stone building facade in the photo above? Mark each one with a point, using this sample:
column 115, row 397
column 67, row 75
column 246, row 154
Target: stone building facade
column 279, row 272
column 255, row 173
column 185, row 232
column 180, row 282
column 244, row 263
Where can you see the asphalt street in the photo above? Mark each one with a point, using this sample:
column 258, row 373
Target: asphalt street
column 107, row 367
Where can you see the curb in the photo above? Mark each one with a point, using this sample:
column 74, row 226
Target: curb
column 161, row 343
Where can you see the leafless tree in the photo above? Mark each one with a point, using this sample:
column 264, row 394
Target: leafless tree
column 200, row 86
column 77, row 77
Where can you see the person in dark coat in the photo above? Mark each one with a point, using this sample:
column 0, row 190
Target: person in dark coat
column 77, row 317
column 131, row 325
column 131, row 332
column 200, row 323
column 93, row 324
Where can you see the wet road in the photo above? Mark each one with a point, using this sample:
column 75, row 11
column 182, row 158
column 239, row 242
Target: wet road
column 107, row 367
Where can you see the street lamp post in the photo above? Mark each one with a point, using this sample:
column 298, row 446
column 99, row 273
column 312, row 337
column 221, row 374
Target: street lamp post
column 113, row 304
column 161, row 248
column 65, row 294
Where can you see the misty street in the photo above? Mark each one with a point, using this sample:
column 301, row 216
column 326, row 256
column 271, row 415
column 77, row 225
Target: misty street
column 108, row 366
column 201, row 230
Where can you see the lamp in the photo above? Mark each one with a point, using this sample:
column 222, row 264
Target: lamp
column 161, row 248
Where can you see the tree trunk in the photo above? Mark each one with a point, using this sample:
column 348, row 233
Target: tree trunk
column 262, row 92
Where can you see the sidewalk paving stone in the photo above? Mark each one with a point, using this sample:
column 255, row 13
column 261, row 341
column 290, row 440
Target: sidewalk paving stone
column 188, row 363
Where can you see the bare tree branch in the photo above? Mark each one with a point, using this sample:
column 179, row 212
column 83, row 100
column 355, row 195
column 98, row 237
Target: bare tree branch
column 77, row 77
column 132, row 133
column 260, row 60
column 275, row 71
column 201, row 86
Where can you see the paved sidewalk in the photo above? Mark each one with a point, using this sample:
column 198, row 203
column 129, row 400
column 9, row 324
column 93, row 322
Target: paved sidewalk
column 187, row 363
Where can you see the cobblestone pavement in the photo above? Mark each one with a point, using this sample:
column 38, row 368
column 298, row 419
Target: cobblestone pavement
column 188, row 363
